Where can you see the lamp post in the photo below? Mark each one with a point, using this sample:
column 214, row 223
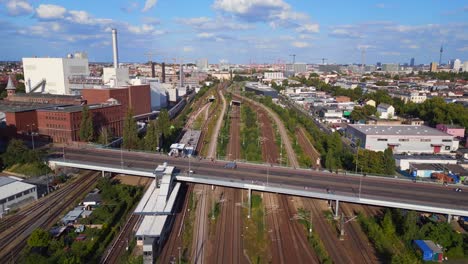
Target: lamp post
column 32, row 135
column 121, row 157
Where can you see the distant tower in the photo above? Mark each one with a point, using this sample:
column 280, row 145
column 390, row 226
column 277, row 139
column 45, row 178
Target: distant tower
column 441, row 51
column 10, row 88
column 363, row 59
column 412, row 62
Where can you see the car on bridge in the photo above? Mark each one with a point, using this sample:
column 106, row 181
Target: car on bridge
column 230, row 165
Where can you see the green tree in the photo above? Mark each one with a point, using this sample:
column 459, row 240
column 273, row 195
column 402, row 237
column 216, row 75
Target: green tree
column 130, row 131
column 16, row 152
column 104, row 136
column 387, row 224
column 151, row 139
column 389, row 162
column 39, row 238
column 164, row 123
column 330, row 161
column 410, row 227
column 86, row 126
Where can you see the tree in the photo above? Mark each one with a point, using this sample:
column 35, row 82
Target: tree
column 86, row 126
column 130, row 131
column 151, row 139
column 39, row 238
column 389, row 162
column 410, row 227
column 387, row 224
column 15, row 153
column 164, row 123
column 104, row 136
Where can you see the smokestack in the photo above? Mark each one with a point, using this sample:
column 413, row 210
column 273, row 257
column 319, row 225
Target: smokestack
column 181, row 75
column 115, row 48
column 163, row 77
column 153, row 72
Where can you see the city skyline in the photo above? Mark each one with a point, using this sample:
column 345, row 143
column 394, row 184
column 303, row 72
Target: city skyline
column 237, row 31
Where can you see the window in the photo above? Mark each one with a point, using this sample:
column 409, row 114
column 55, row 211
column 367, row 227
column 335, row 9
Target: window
column 382, row 139
column 446, row 140
column 403, row 139
column 425, row 140
column 447, row 147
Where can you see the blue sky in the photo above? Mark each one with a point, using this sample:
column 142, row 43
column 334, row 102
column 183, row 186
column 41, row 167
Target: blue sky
column 237, row 31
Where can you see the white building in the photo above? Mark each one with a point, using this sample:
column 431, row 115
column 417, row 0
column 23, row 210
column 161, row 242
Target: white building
column 115, row 77
column 331, row 115
column 457, row 65
column 159, row 95
column 14, row 193
column 390, row 67
column 386, row 111
column 51, row 75
column 465, row 66
column 402, row 138
column 202, row 64
column 274, row 75
column 296, row 67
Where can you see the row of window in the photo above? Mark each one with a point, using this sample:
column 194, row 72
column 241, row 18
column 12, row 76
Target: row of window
column 56, row 118
column 55, row 126
column 18, row 195
column 407, row 139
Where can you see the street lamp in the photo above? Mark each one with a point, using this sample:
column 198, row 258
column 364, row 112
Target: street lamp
column 32, row 135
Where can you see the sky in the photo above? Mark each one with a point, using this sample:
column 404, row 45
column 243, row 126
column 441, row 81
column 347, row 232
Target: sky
column 237, row 31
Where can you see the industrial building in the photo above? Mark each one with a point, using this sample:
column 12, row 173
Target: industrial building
column 50, row 75
column 14, row 193
column 402, row 138
column 296, row 67
column 261, row 89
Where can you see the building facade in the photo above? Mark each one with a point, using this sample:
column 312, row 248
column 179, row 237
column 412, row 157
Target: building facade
column 54, row 71
column 14, row 193
column 402, row 138
column 454, row 130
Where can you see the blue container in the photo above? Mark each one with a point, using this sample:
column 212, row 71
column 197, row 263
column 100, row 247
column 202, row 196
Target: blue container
column 426, row 251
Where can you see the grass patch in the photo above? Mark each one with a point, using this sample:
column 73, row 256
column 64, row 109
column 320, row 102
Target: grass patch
column 256, row 242
column 30, row 169
column 187, row 234
column 250, row 134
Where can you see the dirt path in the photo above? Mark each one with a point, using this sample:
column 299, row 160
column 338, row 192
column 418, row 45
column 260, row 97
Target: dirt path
column 215, row 134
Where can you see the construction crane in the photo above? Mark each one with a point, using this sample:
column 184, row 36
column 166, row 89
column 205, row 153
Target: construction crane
column 294, row 58
column 322, row 59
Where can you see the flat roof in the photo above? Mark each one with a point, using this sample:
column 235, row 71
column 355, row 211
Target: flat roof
column 260, row 87
column 424, row 157
column 172, row 198
column 14, row 188
column 398, row 130
column 13, row 107
column 152, row 225
column 75, row 108
column 47, row 95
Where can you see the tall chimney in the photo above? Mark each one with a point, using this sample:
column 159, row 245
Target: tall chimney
column 181, row 75
column 163, row 77
column 153, row 72
column 115, row 48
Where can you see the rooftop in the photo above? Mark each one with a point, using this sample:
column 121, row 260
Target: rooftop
column 13, row 188
column 74, row 108
column 402, row 130
column 14, row 107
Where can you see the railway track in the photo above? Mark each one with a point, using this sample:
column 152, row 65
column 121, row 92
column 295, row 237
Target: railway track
column 360, row 243
column 326, row 234
column 42, row 215
column 198, row 253
column 174, row 241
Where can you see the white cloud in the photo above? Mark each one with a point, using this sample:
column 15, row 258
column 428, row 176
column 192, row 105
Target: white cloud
column 205, row 35
column 50, row 11
column 413, row 46
column 149, row 4
column 345, row 33
column 300, row 44
column 187, row 48
column 209, row 24
column 42, row 29
column 244, row 7
column 310, row 28
column 463, row 49
column 18, row 7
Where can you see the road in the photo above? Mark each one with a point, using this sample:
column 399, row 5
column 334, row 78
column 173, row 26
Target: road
column 388, row 189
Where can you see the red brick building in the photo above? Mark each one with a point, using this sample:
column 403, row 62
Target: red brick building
column 62, row 124
column 137, row 97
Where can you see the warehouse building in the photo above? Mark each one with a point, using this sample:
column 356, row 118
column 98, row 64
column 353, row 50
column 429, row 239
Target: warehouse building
column 402, row 138
column 261, row 89
column 14, row 193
